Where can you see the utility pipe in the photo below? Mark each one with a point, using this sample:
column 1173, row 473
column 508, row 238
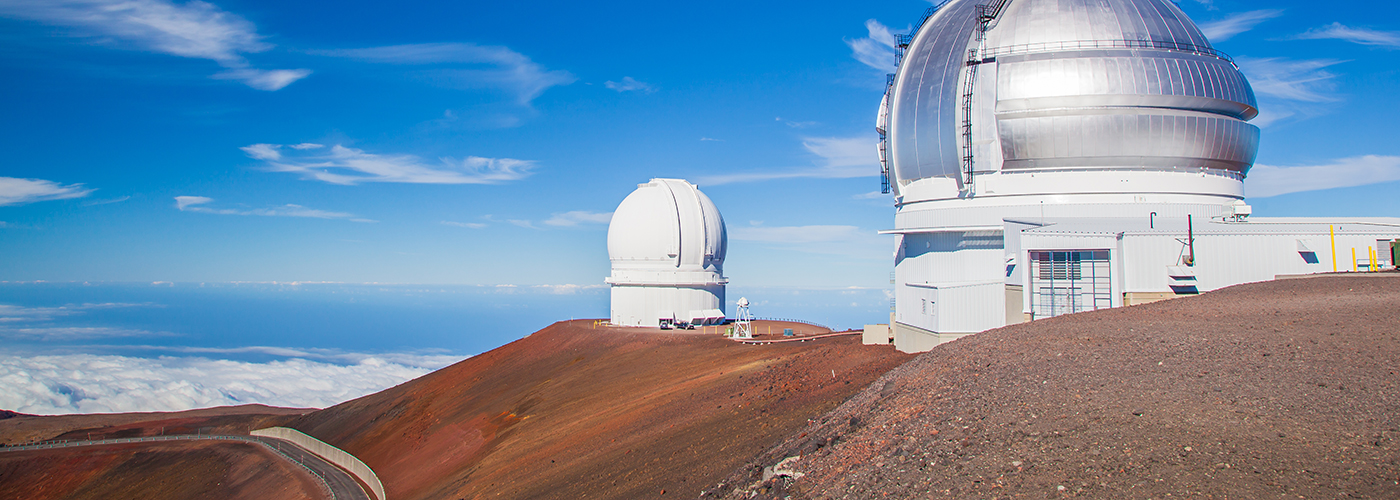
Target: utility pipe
column 1190, row 243
column 1353, row 259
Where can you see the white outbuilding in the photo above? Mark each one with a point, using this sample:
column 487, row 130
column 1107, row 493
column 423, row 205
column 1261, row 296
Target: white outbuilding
column 667, row 242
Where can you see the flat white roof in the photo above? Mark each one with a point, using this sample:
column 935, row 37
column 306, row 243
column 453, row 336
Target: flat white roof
column 1175, row 225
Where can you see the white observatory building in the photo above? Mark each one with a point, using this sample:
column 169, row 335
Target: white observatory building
column 1055, row 156
column 667, row 242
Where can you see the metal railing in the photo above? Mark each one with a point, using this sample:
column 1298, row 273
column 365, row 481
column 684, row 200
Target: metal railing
column 819, row 325
column 988, row 55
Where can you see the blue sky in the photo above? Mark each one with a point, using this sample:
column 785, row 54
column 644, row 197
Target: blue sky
column 486, row 143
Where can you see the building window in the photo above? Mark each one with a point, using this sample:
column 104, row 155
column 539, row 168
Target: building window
column 1069, row 281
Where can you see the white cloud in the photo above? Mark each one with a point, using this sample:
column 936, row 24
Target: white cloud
column 629, row 85
column 16, row 191
column 1234, row 24
column 1363, row 36
column 876, row 50
column 1267, row 180
column 522, row 223
column 183, row 202
column 86, row 383
column 576, row 217
column 264, row 79
column 193, row 29
column 306, row 145
column 263, row 151
column 348, row 166
column 470, row 225
column 837, row 158
column 196, row 204
column 487, row 66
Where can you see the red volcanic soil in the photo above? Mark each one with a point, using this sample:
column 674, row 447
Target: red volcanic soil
column 577, row 412
column 165, row 469
column 1277, row 389
column 19, row 428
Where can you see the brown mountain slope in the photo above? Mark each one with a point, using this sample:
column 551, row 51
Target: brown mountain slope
column 1278, row 389
column 577, row 412
column 19, row 428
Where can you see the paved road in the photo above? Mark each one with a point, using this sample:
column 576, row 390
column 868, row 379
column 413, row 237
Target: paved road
column 342, row 485
column 335, row 482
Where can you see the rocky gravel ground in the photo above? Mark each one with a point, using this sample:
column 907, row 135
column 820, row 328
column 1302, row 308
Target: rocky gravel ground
column 1282, row 389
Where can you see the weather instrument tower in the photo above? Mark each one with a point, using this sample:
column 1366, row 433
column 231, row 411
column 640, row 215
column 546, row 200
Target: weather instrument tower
column 743, row 324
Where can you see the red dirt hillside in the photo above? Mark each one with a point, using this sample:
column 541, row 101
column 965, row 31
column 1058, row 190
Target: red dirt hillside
column 165, row 469
column 1268, row 390
column 577, row 412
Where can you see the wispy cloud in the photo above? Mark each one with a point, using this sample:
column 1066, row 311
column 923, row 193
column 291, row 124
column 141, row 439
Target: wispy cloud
column 629, row 85
column 29, row 323
column 567, row 289
column 1363, row 36
column 522, row 223
column 197, row 204
column 877, row 49
column 118, row 199
column 1293, row 79
column 10, row 313
column 1267, row 180
column 1234, row 24
column 469, row 225
column 576, row 217
column 468, row 65
column 1289, row 87
column 837, row 158
column 193, row 29
column 264, row 79
column 348, row 166
column 69, row 333
column 16, row 191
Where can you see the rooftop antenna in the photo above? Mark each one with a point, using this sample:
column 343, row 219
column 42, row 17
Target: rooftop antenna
column 743, row 328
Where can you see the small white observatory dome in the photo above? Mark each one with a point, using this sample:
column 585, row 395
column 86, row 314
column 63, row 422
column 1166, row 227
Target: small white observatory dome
column 667, row 242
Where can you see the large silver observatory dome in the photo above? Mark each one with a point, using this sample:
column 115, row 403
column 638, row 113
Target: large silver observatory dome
column 1014, row 86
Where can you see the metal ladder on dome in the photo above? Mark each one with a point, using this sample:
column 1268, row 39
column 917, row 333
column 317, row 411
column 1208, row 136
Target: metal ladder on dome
column 986, row 13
